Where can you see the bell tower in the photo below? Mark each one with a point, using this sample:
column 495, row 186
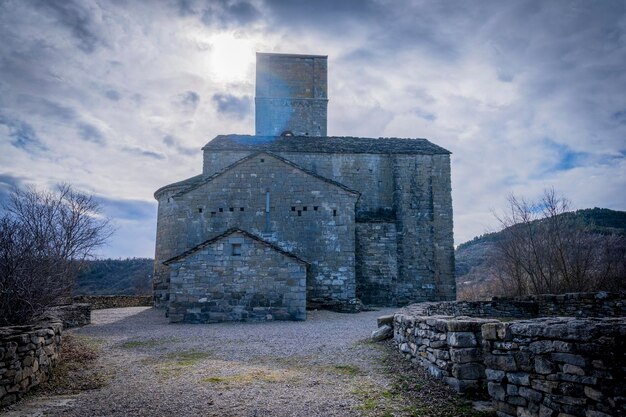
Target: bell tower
column 291, row 94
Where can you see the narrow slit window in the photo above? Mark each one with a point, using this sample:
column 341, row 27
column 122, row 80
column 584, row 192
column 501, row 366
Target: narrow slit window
column 304, row 208
column 299, row 212
column 235, row 249
column 293, row 208
column 334, row 212
column 199, row 209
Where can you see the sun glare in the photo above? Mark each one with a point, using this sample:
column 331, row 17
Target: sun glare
column 231, row 57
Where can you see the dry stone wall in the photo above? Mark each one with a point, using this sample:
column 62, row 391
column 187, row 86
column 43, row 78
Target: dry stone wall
column 542, row 367
column 450, row 348
column 557, row 367
column 27, row 356
column 72, row 315
column 99, row 302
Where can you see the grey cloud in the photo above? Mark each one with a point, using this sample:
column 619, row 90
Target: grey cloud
column 112, row 95
column 229, row 13
column 186, row 7
column 51, row 109
column 77, row 18
column 8, row 183
column 190, row 99
column 90, row 133
column 171, row 142
column 423, row 114
column 222, row 13
column 23, row 135
column 619, row 117
column 144, row 153
column 127, row 209
column 230, row 105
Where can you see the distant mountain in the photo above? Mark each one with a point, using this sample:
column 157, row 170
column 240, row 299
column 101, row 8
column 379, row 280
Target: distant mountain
column 131, row 276
column 472, row 272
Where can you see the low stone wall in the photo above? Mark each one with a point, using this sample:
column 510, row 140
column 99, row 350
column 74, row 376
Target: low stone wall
column 545, row 367
column 557, row 367
column 27, row 356
column 99, row 302
column 450, row 348
column 72, row 315
column 599, row 304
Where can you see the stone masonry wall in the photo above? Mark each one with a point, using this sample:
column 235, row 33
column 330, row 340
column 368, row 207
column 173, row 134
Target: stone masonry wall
column 601, row 304
column 291, row 95
column 309, row 217
column 544, row 367
column 27, row 356
column 376, row 263
column 251, row 282
column 557, row 367
column 72, row 315
column 450, row 348
column 98, row 302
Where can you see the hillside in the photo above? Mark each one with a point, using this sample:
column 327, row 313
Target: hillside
column 131, row 276
column 472, row 272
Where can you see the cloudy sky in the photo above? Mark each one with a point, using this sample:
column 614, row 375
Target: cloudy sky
column 117, row 97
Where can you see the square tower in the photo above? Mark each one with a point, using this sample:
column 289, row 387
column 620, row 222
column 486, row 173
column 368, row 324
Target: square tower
column 291, row 94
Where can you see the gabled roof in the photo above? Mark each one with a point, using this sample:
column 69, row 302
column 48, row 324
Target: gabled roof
column 226, row 234
column 193, row 183
column 328, row 144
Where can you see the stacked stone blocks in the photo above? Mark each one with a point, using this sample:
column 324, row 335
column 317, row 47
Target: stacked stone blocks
column 449, row 347
column 544, row 367
column 27, row 356
column 237, row 277
column 557, row 367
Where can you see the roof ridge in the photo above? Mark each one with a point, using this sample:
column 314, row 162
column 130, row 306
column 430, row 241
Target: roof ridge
column 246, row 158
column 326, row 144
column 229, row 232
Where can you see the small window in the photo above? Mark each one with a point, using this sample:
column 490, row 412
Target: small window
column 262, row 159
column 213, row 214
column 231, row 209
column 235, row 249
column 334, row 212
column 304, row 208
column 299, row 212
column 240, row 208
column 221, row 210
column 315, row 208
column 293, row 208
column 199, row 209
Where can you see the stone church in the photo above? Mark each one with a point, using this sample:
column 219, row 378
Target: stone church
column 290, row 218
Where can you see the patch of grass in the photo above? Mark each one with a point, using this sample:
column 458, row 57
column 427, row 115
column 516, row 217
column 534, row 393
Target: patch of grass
column 76, row 370
column 249, row 376
column 349, row 370
column 368, row 404
column 177, row 363
column 188, row 358
column 134, row 344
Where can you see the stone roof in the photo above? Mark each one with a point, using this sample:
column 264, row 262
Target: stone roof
column 329, row 144
column 226, row 234
column 192, row 183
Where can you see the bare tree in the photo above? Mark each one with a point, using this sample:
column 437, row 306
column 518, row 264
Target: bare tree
column 546, row 249
column 44, row 239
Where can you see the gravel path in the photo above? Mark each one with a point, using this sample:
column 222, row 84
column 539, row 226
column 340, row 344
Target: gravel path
column 321, row 367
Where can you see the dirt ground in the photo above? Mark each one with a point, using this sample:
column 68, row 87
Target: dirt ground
column 324, row 366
